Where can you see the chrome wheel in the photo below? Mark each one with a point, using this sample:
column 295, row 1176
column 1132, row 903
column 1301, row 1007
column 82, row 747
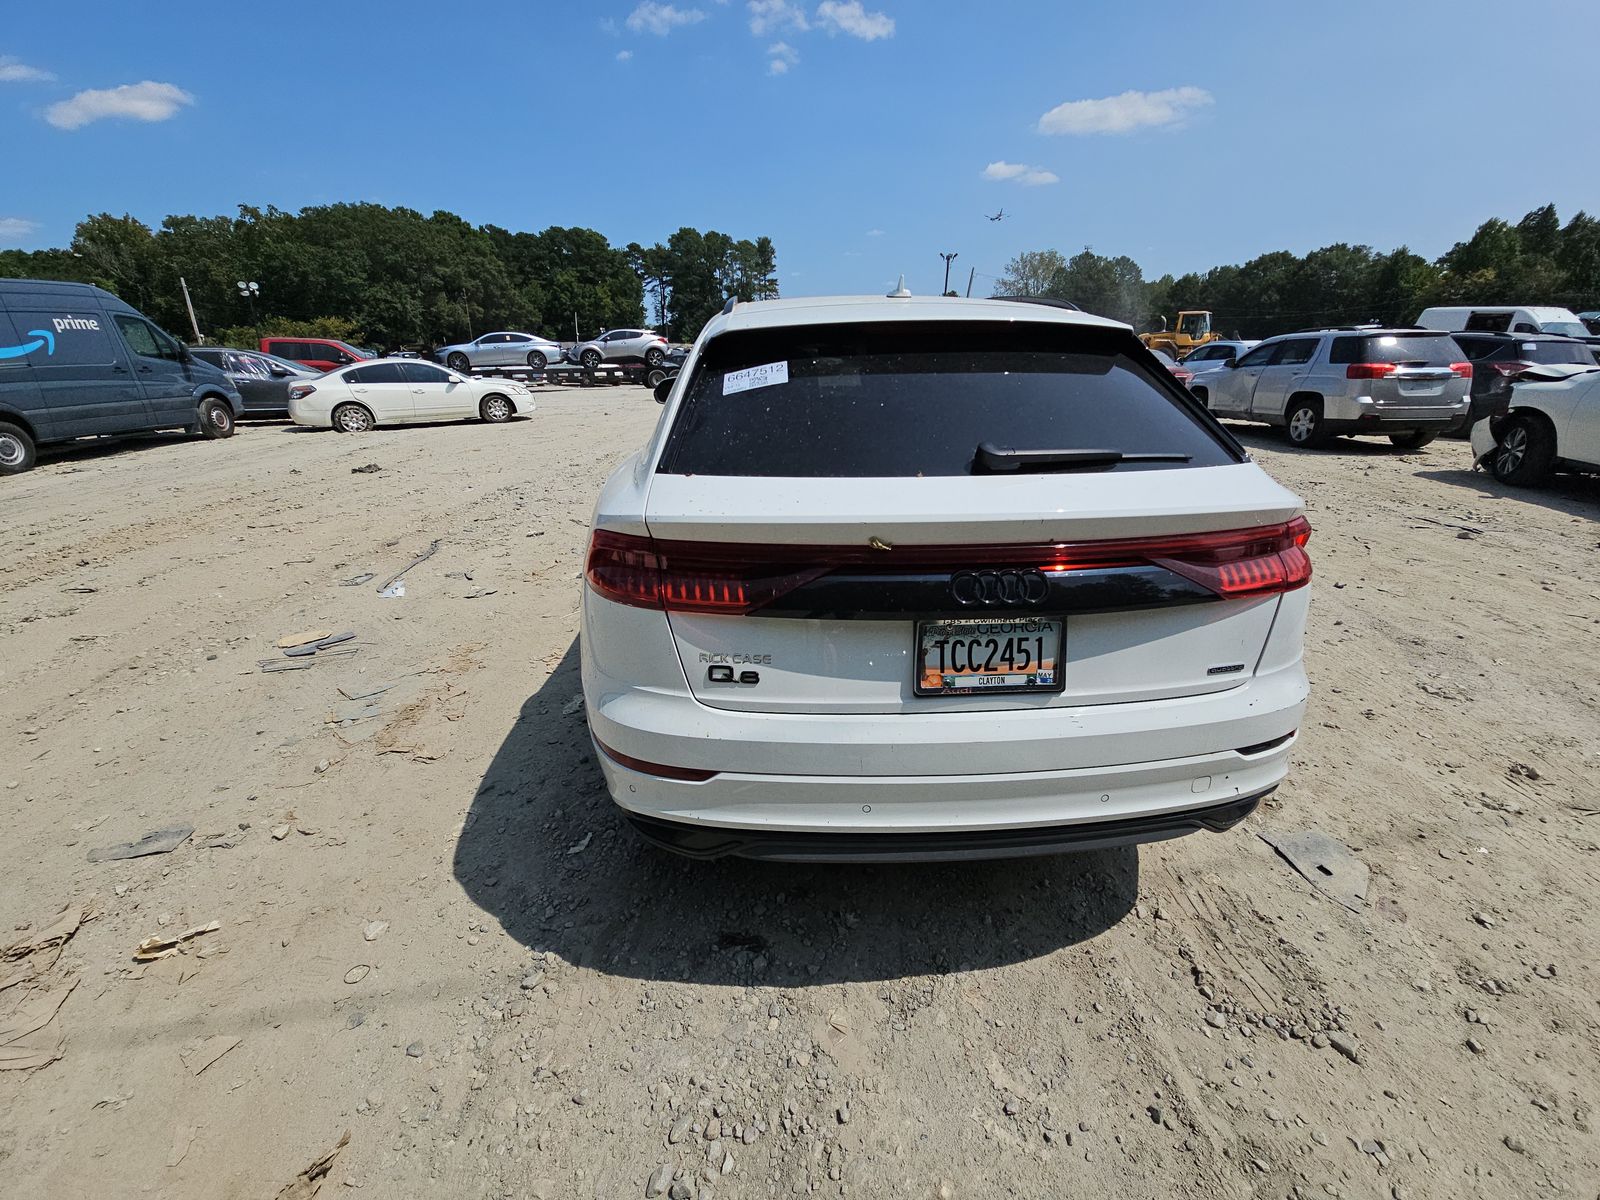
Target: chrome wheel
column 458, row 362
column 496, row 409
column 1513, row 449
column 12, row 451
column 591, row 359
column 537, row 361
column 352, row 418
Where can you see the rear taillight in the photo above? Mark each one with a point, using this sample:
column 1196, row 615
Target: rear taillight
column 703, row 577
column 299, row 391
column 737, row 579
column 1461, row 370
column 1369, row 370
column 1246, row 562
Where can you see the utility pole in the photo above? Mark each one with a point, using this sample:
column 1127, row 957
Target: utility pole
column 971, row 275
column 189, row 304
column 948, row 258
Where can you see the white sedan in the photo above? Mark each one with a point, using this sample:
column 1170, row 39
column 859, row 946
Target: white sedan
column 402, row 391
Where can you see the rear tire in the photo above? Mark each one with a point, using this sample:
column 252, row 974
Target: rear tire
column 654, row 358
column 1415, row 440
column 1303, row 424
column 16, row 449
column 537, row 360
column 495, row 409
column 1525, row 452
column 458, row 363
column 216, row 419
column 353, row 418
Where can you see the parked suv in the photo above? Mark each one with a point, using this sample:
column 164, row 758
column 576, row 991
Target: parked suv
column 621, row 346
column 1498, row 358
column 320, row 354
column 76, row 361
column 923, row 578
column 1552, row 424
column 1410, row 384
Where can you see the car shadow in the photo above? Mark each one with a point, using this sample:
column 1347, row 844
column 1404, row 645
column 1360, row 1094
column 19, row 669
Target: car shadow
column 546, row 853
column 1575, row 495
column 1265, row 438
column 87, row 450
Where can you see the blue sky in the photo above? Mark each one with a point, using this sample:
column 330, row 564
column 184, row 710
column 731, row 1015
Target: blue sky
column 863, row 136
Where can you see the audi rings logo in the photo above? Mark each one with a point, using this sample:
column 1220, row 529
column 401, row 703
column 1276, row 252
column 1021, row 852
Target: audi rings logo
column 999, row 589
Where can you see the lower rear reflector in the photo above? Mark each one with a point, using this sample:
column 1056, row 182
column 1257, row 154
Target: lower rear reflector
column 685, row 774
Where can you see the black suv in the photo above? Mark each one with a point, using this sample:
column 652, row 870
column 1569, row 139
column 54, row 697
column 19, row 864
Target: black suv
column 1498, row 358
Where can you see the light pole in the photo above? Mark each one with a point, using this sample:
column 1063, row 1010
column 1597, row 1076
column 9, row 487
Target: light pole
column 250, row 291
column 948, row 259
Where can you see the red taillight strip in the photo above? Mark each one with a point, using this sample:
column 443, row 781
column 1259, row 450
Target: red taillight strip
column 737, row 578
column 685, row 774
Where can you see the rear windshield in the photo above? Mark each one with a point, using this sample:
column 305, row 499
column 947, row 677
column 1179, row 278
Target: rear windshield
column 892, row 399
column 1431, row 349
column 1575, row 329
column 1557, row 352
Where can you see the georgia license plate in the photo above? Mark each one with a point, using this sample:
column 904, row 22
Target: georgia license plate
column 965, row 658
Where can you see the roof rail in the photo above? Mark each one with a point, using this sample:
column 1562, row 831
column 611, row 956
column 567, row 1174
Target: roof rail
column 1368, row 326
column 1050, row 301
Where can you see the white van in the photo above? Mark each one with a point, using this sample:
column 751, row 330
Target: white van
column 1510, row 319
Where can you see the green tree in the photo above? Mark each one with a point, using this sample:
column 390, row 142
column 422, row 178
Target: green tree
column 1030, row 273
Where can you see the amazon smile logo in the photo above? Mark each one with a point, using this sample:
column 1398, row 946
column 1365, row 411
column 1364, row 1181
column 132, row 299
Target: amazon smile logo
column 43, row 338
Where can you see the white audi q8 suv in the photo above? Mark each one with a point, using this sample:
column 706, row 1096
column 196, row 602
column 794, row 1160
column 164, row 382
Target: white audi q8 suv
column 923, row 578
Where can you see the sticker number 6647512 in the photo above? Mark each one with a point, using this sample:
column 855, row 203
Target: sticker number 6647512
column 769, row 375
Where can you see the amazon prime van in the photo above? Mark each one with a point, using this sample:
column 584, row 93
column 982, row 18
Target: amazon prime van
column 76, row 362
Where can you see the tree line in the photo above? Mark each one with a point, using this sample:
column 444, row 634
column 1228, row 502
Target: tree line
column 1537, row 260
column 392, row 277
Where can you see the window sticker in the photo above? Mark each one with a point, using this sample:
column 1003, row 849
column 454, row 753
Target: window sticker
column 751, row 378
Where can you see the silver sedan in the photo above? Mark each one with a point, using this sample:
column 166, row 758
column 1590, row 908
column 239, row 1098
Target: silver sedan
column 504, row 349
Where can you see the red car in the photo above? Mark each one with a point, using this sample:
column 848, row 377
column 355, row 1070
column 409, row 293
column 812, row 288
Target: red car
column 320, row 354
column 1179, row 372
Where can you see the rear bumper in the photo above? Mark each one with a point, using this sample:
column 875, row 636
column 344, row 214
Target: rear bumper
column 998, row 813
column 781, row 845
column 1386, row 424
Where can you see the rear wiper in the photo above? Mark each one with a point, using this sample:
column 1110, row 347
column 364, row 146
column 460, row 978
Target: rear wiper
column 992, row 459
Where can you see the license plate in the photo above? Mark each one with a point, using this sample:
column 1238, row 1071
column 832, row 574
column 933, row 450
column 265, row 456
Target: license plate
column 967, row 658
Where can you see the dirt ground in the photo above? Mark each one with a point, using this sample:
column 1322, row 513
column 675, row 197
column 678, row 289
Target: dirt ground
column 434, row 931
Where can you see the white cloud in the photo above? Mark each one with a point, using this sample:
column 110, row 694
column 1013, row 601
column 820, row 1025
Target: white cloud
column 14, row 229
column 1020, row 173
column 147, row 101
column 624, row 55
column 783, row 57
column 661, row 19
column 15, row 71
column 1125, row 113
column 608, row 26
column 874, row 233
column 776, row 16
column 847, row 16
